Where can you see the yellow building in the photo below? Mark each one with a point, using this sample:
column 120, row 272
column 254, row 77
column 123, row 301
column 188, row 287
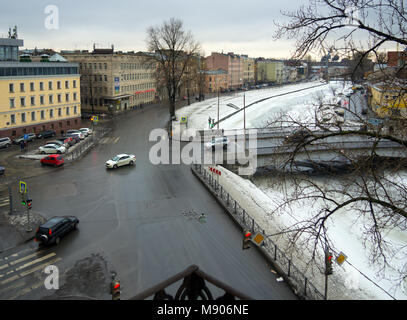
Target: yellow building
column 270, row 71
column 389, row 101
column 37, row 96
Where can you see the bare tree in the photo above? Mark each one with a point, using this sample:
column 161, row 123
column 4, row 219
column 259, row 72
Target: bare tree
column 173, row 50
column 372, row 187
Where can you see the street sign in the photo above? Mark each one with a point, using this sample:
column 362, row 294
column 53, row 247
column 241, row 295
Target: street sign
column 184, row 119
column 341, row 258
column 26, row 137
column 258, row 239
column 94, row 118
column 23, row 187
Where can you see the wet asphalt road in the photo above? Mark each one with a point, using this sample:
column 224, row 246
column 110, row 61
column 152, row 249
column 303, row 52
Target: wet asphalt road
column 132, row 217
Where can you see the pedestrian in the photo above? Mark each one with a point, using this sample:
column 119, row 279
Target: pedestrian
column 22, row 145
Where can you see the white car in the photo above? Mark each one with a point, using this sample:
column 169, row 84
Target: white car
column 223, row 141
column 121, row 160
column 52, row 149
column 86, row 131
column 76, row 132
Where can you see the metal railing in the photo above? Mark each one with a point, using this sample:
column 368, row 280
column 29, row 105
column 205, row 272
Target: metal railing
column 297, row 279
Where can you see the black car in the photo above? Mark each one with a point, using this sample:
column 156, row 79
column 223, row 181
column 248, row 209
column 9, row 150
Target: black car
column 46, row 134
column 55, row 228
column 2, row 170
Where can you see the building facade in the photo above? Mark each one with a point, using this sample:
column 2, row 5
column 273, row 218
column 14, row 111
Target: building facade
column 37, row 96
column 248, row 71
column 232, row 63
column 270, row 71
column 389, row 101
column 216, row 80
column 112, row 82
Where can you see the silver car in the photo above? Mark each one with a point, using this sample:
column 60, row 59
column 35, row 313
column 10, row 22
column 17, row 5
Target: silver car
column 5, row 142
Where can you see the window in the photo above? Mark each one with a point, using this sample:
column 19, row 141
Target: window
column 58, row 85
column 66, row 84
column 74, row 83
column 105, row 66
column 50, row 85
column 22, row 101
column 51, row 113
column 105, row 77
column 23, row 117
column 21, row 87
column 11, row 88
column 67, row 111
column 32, row 88
column 51, row 98
column 42, row 100
column 41, row 86
column 75, row 111
column 59, row 98
column 59, row 112
column 42, row 114
column 13, row 119
column 74, row 96
column 32, row 101
column 12, row 103
column 33, row 116
column 67, row 97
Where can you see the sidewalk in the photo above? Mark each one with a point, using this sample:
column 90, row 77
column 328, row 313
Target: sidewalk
column 13, row 228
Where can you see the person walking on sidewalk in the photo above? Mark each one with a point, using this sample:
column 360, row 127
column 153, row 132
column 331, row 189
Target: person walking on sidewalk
column 22, row 143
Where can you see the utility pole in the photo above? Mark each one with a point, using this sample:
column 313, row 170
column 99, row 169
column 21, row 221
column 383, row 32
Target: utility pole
column 218, row 100
column 244, row 120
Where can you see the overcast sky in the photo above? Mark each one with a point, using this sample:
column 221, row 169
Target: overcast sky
column 240, row 26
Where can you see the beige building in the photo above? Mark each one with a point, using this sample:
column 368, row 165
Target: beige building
column 248, row 71
column 112, row 82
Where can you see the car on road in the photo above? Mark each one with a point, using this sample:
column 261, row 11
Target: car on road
column 52, row 149
column 5, row 142
column 86, row 131
column 58, row 143
column 52, row 160
column 46, row 134
column 29, row 137
column 68, row 140
column 55, row 228
column 121, row 160
column 74, row 136
column 222, row 141
column 2, row 170
column 76, row 132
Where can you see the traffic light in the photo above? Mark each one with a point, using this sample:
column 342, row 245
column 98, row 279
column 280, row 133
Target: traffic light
column 115, row 290
column 29, row 203
column 247, row 237
column 328, row 263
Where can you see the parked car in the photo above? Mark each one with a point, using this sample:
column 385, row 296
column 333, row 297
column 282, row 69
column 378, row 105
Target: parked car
column 2, row 170
column 5, row 142
column 58, row 143
column 121, row 160
column 74, row 136
column 55, row 228
column 46, row 134
column 222, row 141
column 77, row 132
column 28, row 137
column 52, row 160
column 68, row 140
column 86, row 131
column 52, row 148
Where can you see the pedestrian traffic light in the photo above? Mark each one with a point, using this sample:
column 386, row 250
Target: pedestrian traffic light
column 247, row 237
column 115, row 290
column 328, row 263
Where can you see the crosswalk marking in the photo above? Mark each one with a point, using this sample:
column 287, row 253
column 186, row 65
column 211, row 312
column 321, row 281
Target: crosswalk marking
column 17, row 266
column 5, row 201
column 109, row 140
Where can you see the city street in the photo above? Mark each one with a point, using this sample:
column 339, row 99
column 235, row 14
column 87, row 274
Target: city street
column 133, row 221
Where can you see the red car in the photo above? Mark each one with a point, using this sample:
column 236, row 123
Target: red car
column 55, row 160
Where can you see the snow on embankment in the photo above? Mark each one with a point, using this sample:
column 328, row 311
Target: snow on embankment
column 261, row 208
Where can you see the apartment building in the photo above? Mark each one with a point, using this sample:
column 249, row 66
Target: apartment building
column 112, row 82
column 248, row 71
column 216, row 80
column 36, row 96
column 232, row 63
column 388, row 101
column 270, row 71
